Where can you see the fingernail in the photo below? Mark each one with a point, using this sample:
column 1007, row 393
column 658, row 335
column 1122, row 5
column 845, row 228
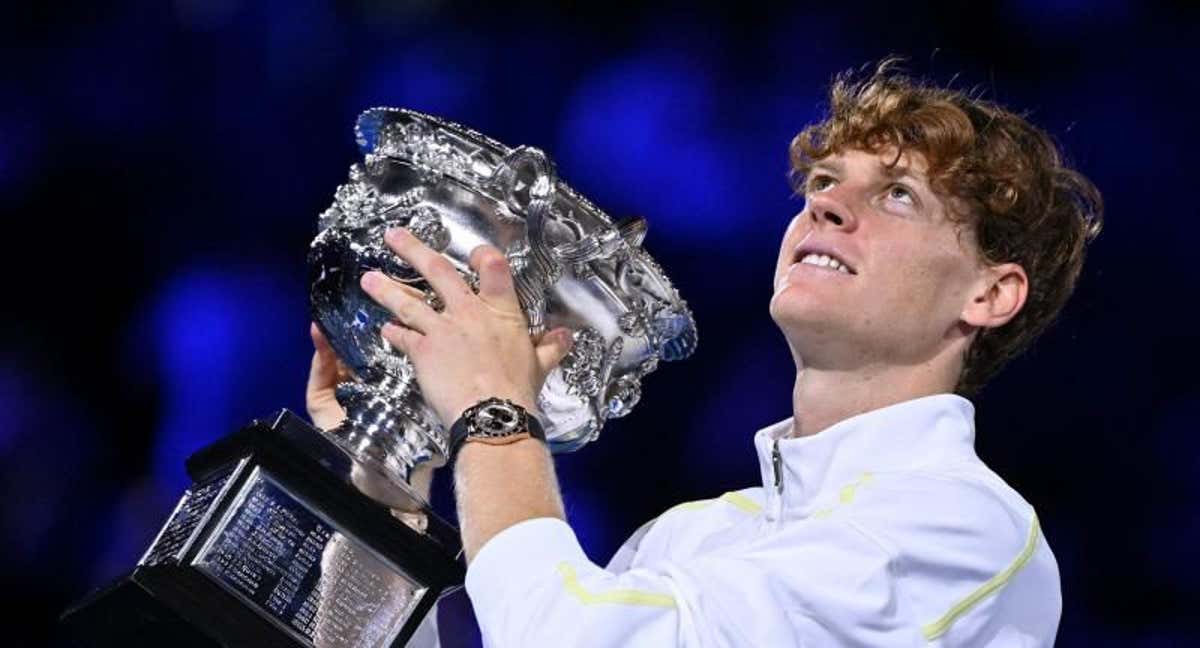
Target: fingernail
column 395, row 234
column 370, row 279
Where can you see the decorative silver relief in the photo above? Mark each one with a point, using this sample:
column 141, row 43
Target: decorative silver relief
column 614, row 353
column 518, row 256
column 411, row 197
column 582, row 365
column 360, row 204
column 601, row 244
column 584, row 272
column 425, row 224
column 376, row 165
column 647, row 367
column 623, row 395
column 632, row 324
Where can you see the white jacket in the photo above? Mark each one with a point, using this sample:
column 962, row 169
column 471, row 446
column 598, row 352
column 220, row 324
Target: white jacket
column 883, row 530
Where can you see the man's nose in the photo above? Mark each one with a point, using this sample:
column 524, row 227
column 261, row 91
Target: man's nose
column 828, row 211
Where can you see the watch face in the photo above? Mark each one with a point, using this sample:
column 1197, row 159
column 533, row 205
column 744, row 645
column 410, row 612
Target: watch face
column 497, row 419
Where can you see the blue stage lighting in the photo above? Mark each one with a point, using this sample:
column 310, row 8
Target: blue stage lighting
column 437, row 75
column 196, row 328
column 644, row 136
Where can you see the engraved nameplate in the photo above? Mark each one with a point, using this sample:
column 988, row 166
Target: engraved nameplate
column 178, row 532
column 294, row 566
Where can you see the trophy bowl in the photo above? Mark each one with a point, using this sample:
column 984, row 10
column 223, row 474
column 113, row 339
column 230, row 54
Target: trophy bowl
column 572, row 265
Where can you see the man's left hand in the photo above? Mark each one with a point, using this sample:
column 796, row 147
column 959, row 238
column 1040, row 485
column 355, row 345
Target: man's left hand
column 478, row 346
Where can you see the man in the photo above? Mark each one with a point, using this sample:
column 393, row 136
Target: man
column 940, row 235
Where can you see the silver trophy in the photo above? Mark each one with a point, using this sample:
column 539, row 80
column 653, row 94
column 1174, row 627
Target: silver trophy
column 573, row 266
column 292, row 536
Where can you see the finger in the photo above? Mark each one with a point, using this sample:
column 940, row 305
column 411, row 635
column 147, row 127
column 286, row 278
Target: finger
column 402, row 338
column 322, row 345
column 553, row 347
column 323, row 372
column 321, row 375
column 436, row 269
column 412, row 311
column 495, row 276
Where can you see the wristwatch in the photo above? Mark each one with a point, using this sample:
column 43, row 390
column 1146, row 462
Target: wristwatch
column 494, row 421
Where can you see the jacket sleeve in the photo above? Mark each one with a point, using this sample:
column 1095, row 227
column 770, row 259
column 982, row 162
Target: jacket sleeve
column 532, row 585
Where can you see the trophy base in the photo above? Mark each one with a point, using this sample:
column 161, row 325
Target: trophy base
column 143, row 608
column 274, row 546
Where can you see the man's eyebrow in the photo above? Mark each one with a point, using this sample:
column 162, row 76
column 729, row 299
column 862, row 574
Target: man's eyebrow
column 898, row 170
column 827, row 165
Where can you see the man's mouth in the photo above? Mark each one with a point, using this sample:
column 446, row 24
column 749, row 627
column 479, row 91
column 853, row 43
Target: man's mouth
column 823, row 260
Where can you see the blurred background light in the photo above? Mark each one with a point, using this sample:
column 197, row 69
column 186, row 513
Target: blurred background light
column 642, row 132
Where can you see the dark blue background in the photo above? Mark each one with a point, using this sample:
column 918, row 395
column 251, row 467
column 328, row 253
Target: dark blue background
column 162, row 165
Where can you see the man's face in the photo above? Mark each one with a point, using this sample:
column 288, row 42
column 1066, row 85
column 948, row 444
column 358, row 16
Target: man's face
column 872, row 270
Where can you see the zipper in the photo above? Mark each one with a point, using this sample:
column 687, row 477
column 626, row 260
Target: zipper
column 777, row 467
column 777, row 470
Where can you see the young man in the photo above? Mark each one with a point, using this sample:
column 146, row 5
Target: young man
column 940, row 235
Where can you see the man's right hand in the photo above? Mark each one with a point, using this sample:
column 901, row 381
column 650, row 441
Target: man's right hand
column 327, row 371
column 323, row 409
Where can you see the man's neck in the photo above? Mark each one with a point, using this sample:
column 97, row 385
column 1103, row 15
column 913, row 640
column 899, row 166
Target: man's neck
column 823, row 397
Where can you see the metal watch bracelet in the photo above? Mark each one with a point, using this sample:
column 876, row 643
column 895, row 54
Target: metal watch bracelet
column 493, row 419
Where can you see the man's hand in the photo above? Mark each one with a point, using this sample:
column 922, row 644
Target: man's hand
column 326, row 372
column 478, row 346
column 325, row 412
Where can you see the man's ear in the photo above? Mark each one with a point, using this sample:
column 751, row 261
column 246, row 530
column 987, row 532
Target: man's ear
column 998, row 296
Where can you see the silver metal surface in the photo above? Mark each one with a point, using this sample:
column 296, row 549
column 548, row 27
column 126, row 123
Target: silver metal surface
column 573, row 266
column 325, row 588
column 188, row 519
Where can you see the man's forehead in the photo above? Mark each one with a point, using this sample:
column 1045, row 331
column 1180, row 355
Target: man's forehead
column 885, row 162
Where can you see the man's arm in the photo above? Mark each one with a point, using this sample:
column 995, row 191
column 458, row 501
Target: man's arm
column 499, row 486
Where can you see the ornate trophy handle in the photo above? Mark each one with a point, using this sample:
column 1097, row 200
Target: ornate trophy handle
column 527, row 179
column 602, row 243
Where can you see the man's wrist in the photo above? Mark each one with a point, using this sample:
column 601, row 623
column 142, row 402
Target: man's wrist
column 455, row 412
column 494, row 421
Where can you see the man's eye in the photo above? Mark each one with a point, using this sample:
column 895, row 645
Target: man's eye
column 902, row 194
column 819, row 183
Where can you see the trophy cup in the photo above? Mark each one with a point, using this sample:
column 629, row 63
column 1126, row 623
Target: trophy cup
column 293, row 536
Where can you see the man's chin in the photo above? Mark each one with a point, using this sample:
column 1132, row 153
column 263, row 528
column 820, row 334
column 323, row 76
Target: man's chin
column 803, row 324
column 805, row 310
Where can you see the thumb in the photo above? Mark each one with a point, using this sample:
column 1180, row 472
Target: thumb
column 553, row 346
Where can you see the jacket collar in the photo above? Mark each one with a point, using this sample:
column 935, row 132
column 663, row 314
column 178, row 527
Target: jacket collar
column 905, row 436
